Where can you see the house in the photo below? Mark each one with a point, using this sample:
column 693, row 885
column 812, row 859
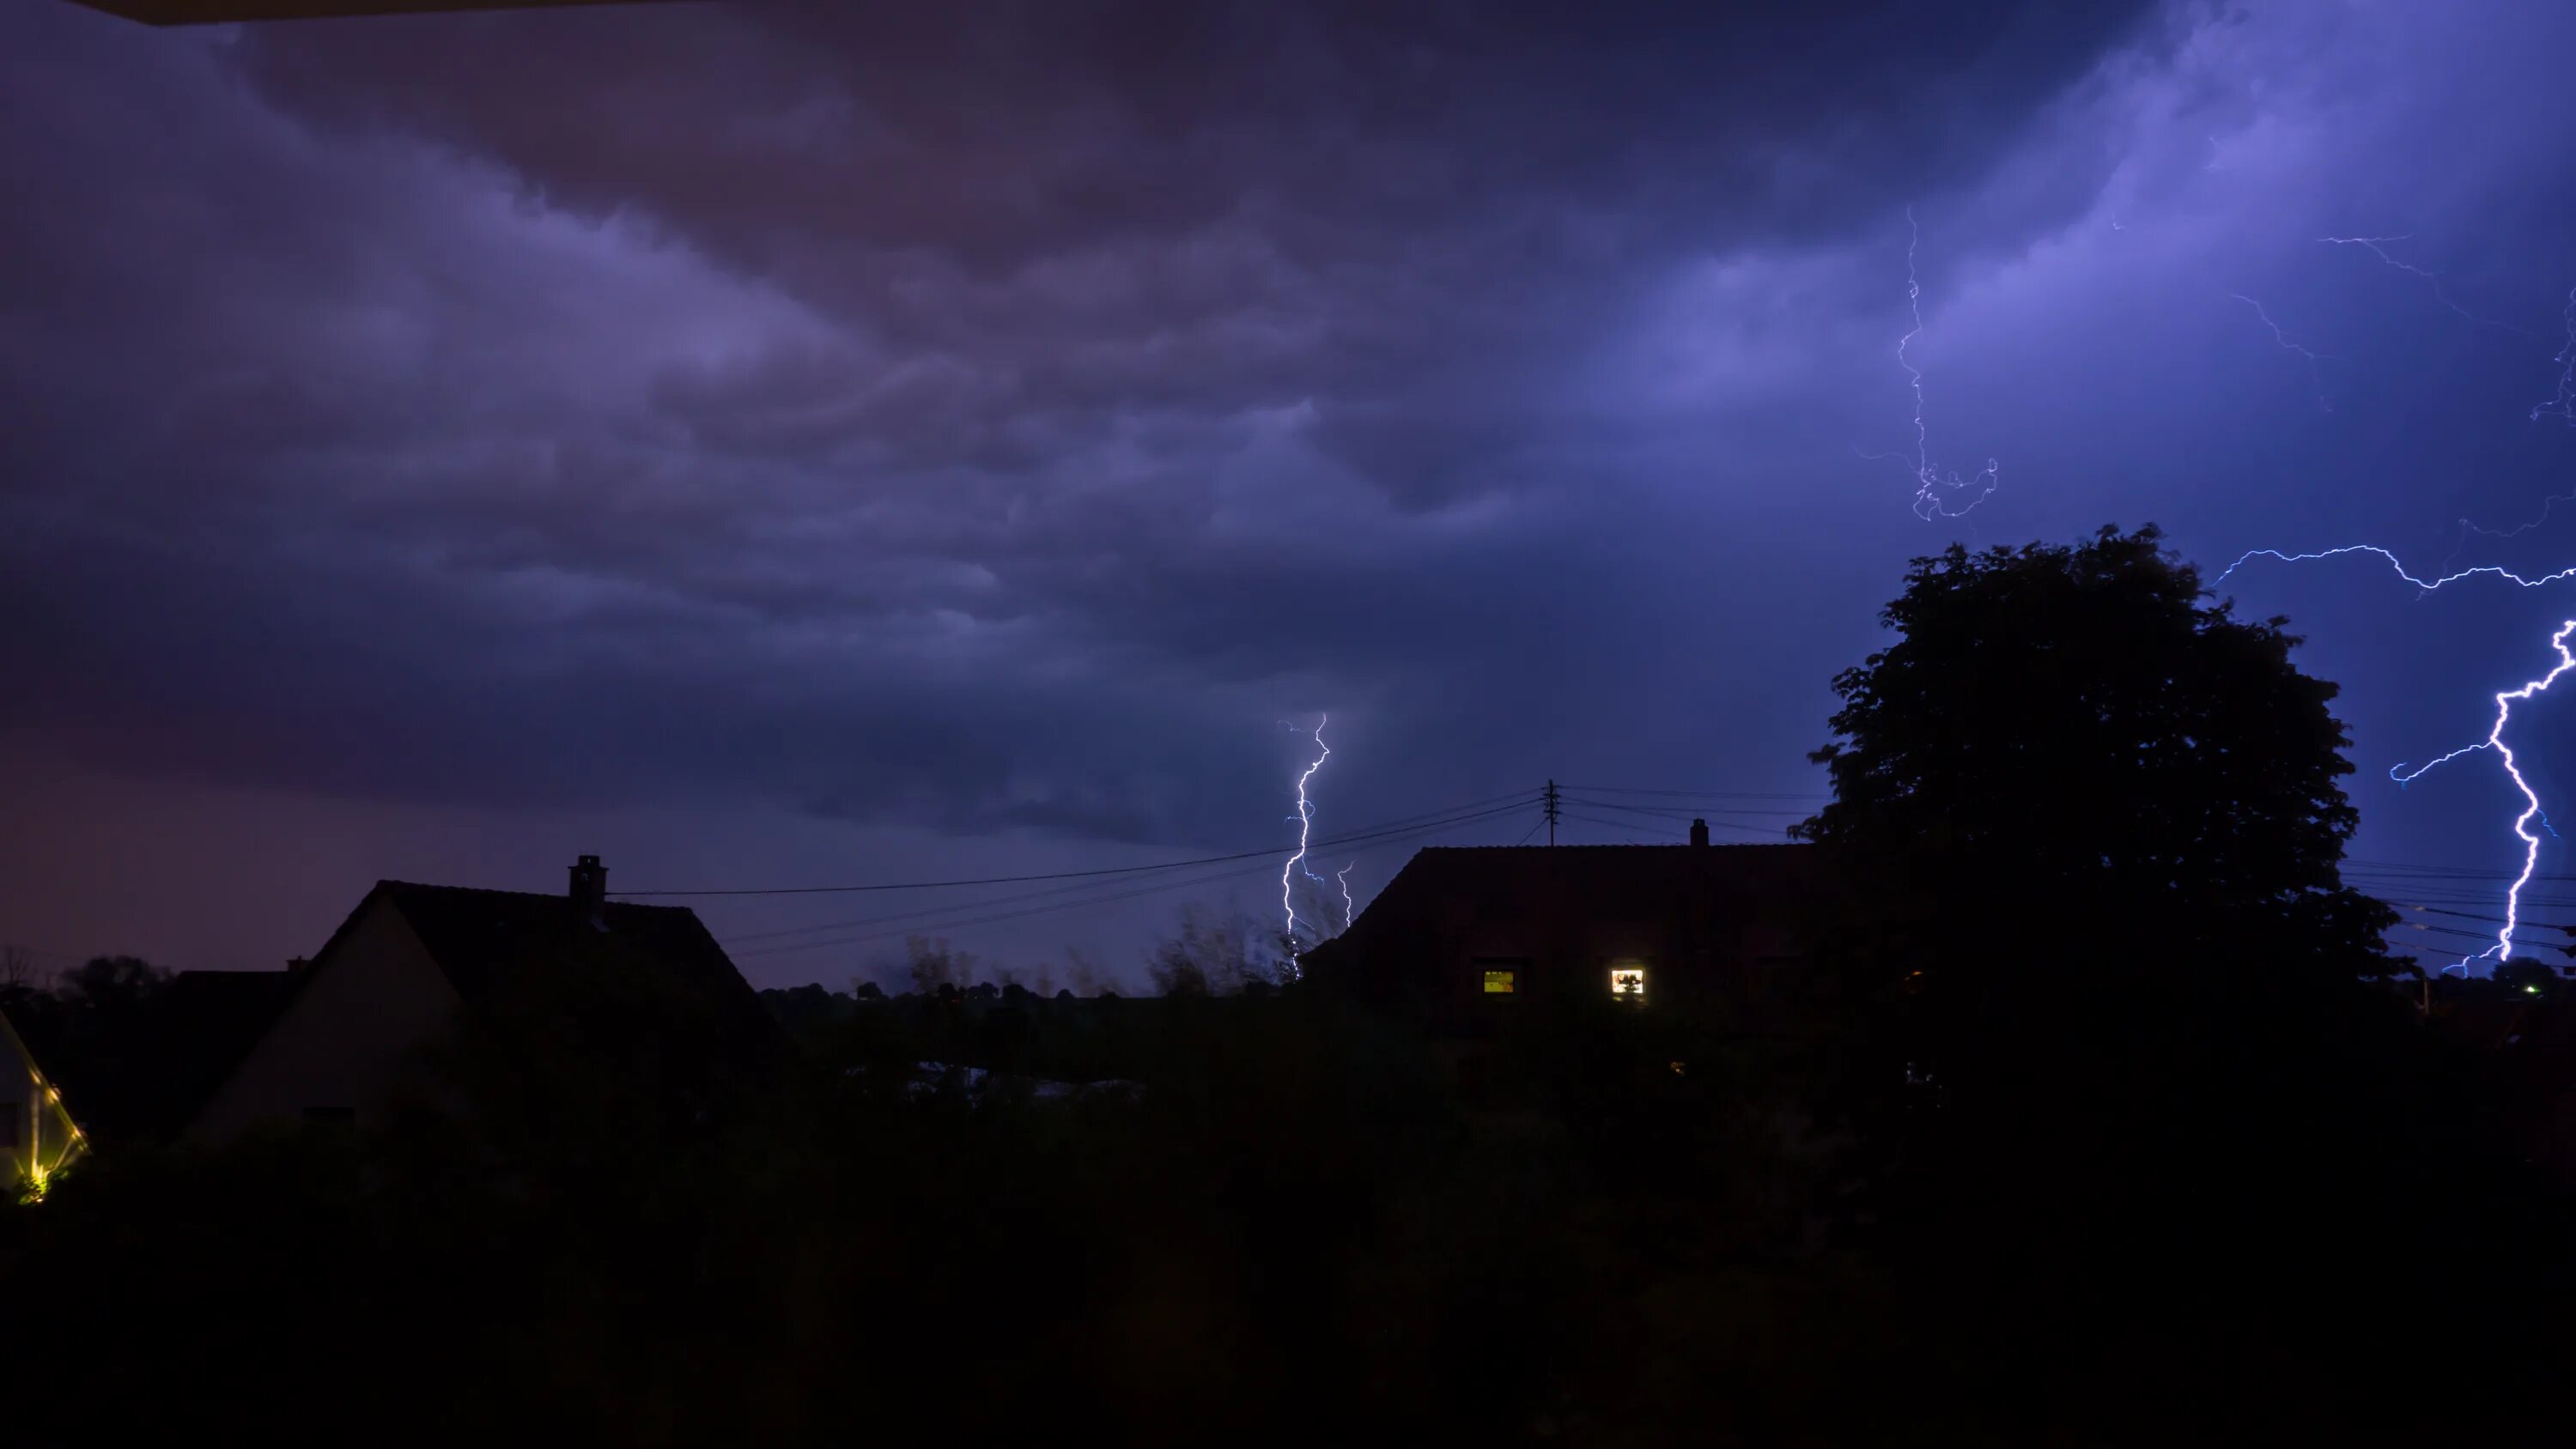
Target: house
column 1469, row 937
column 38, row 1137
column 399, row 975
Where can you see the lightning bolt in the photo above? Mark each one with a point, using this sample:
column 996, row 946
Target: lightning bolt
column 1305, row 826
column 2427, row 585
column 2502, row 950
column 1342, row 878
column 2375, row 245
column 2315, row 373
column 1932, row 487
column 2563, row 404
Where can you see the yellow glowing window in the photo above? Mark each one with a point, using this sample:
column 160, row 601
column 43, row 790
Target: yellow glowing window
column 1628, row 983
column 1502, row 983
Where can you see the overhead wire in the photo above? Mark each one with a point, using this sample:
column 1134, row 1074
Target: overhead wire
column 1516, row 798
column 1155, row 888
column 1373, row 838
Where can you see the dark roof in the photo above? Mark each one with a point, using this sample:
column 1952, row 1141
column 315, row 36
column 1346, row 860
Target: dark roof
column 482, row 939
column 476, row 935
column 1606, row 879
column 1599, row 882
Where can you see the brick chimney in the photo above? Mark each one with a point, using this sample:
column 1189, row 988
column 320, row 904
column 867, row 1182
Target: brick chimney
column 590, row 889
column 1699, row 832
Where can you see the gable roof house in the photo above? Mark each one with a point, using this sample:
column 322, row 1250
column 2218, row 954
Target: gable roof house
column 1463, row 935
column 401, row 973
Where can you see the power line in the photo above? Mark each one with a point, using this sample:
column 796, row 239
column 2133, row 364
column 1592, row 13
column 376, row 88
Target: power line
column 2475, row 916
column 1017, row 897
column 1705, row 794
column 1675, row 812
column 1658, row 831
column 1516, row 798
column 1156, row 888
column 1769, row 831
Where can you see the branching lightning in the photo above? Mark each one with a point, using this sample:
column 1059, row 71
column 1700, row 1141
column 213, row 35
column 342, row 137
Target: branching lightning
column 2502, row 950
column 2376, row 246
column 2427, row 585
column 2563, row 404
column 1932, row 488
column 2315, row 373
column 1305, row 826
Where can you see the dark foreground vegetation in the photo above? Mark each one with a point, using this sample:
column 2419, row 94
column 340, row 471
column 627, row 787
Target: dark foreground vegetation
column 2103, row 1119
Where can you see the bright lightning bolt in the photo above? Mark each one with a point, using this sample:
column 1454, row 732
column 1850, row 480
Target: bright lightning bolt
column 2563, row 405
column 1342, row 878
column 1932, row 487
column 2375, row 246
column 1305, row 824
column 2427, row 585
column 2315, row 373
column 2502, row 950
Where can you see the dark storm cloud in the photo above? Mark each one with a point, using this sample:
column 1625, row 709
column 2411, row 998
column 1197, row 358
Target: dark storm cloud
column 1052, row 212
column 975, row 423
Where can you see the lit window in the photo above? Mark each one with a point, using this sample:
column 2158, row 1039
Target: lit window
column 1628, row 983
column 1499, row 975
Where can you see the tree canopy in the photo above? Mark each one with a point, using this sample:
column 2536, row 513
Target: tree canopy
column 2075, row 752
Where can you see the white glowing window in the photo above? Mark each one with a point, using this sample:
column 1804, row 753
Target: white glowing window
column 1628, row 983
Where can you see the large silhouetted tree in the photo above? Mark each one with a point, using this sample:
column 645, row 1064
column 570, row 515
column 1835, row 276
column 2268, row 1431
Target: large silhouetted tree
column 2085, row 809
column 2076, row 755
column 2092, row 823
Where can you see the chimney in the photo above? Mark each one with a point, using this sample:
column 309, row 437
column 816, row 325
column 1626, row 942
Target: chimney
column 1699, row 832
column 590, row 889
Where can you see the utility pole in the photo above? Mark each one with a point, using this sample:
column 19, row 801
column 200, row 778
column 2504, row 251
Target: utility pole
column 1551, row 812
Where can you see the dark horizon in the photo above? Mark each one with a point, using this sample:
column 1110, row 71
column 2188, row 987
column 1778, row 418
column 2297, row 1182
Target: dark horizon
column 766, row 445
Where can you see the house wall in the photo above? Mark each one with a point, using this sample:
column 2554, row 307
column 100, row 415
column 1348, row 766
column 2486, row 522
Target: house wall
column 1730, row 954
column 349, row 1037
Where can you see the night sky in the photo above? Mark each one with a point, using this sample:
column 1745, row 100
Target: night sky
column 768, row 446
